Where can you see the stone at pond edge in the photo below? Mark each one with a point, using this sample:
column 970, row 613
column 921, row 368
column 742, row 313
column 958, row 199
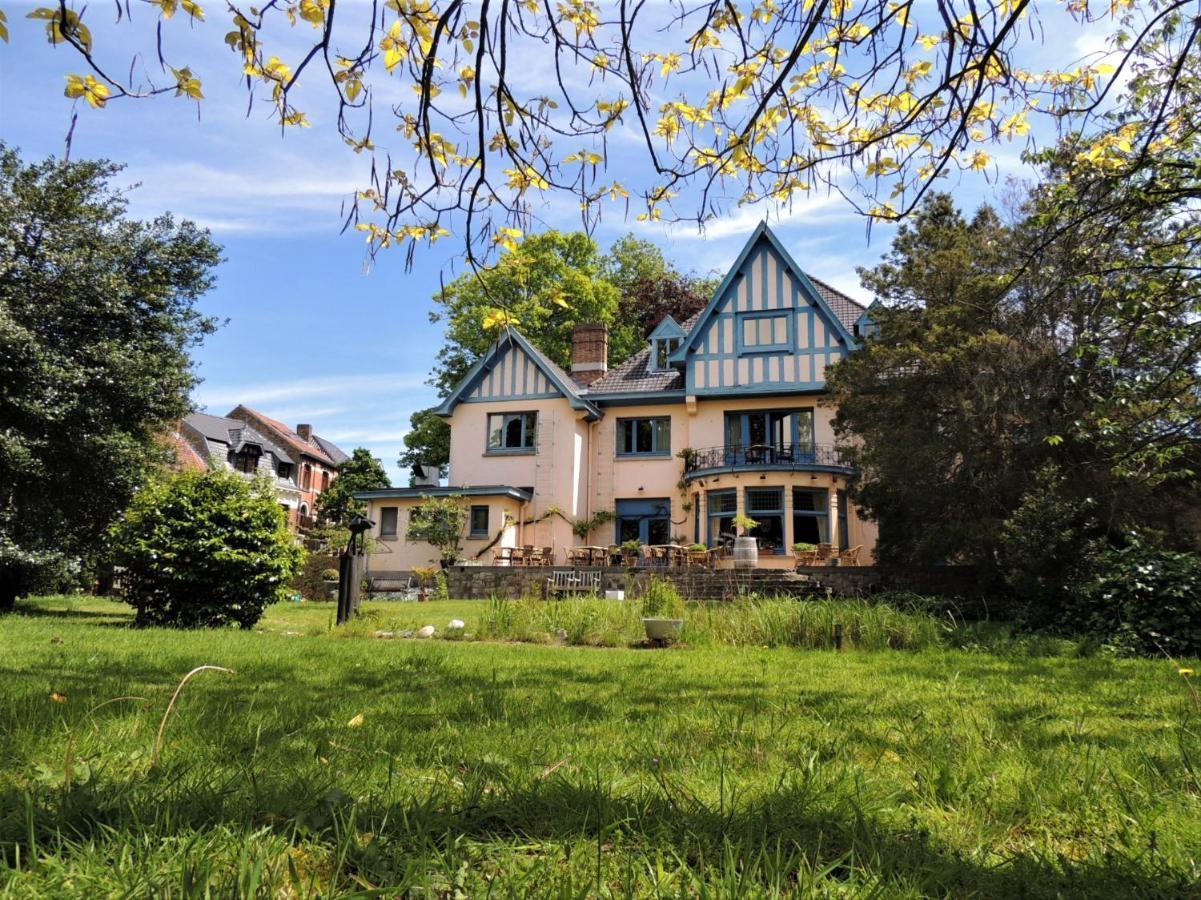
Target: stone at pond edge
column 425, row 631
column 457, row 624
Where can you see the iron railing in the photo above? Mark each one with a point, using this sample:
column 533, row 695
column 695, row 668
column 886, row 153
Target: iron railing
column 775, row 456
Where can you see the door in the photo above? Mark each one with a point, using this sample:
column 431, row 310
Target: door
column 648, row 521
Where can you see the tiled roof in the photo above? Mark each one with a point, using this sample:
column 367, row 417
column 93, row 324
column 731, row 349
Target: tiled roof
column 332, row 450
column 187, row 458
column 844, row 307
column 315, row 448
column 635, row 374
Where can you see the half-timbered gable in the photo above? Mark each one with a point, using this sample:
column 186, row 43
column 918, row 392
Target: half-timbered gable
column 768, row 329
column 512, row 370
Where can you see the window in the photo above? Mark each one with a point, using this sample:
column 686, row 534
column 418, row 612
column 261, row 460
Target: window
column 648, row 521
column 307, row 479
column 479, row 521
column 325, row 481
column 722, row 507
column 387, row 522
column 810, row 516
column 247, row 460
column 285, row 471
column 644, row 436
column 758, row 333
column 791, row 428
column 766, row 506
column 844, row 537
column 512, row 431
column 661, row 353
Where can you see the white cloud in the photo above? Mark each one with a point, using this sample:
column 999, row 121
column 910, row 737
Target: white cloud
column 348, row 386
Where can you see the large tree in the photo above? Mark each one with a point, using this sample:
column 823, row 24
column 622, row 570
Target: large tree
column 427, row 442
column 649, row 287
column 361, row 472
column 97, row 314
column 544, row 286
column 504, row 104
column 1033, row 395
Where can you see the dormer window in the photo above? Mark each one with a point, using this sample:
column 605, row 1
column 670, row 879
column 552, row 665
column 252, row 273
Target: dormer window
column 661, row 351
column 665, row 340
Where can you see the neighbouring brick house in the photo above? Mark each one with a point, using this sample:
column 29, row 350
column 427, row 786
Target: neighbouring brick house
column 316, row 458
column 300, row 464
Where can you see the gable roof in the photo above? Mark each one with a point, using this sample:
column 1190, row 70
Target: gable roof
column 290, row 438
column 233, row 433
column 822, row 300
column 332, row 450
column 635, row 375
column 667, row 328
column 511, row 337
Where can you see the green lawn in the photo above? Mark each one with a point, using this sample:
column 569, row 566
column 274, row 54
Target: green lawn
column 334, row 763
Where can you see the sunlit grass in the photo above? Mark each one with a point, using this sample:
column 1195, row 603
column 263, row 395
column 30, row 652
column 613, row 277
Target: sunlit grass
column 527, row 770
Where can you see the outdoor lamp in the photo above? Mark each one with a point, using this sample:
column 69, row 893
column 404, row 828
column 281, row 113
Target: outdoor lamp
column 359, row 525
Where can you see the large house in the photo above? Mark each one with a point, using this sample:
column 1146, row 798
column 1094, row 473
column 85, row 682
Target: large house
column 300, row 463
column 718, row 415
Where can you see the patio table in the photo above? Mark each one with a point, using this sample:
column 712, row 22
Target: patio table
column 597, row 556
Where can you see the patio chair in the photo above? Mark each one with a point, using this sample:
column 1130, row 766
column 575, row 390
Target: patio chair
column 824, row 552
column 548, row 556
column 808, row 558
column 850, row 557
column 698, row 558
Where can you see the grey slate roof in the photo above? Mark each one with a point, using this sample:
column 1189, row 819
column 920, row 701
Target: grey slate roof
column 844, row 307
column 634, row 375
column 233, row 433
column 332, row 450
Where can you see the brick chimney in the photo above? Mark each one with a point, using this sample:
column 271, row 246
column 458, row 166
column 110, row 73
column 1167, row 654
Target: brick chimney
column 305, row 432
column 589, row 352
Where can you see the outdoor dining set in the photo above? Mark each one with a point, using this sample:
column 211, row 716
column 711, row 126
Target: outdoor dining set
column 668, row 555
column 664, row 555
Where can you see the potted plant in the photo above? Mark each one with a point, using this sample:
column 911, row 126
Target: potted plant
column 425, row 577
column 662, row 611
column 746, row 548
column 330, row 578
column 630, row 551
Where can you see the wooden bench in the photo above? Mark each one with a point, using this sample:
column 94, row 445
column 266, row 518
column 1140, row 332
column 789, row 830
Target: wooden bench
column 568, row 582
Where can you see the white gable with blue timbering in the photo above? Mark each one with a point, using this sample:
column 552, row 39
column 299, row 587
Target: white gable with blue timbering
column 767, row 328
column 513, row 369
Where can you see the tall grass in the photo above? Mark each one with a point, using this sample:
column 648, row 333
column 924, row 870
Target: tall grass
column 579, row 621
column 750, row 622
column 326, row 766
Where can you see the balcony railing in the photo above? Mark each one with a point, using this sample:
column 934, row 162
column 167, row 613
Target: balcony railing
column 797, row 457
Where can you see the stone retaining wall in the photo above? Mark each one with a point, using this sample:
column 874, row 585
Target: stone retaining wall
column 479, row 582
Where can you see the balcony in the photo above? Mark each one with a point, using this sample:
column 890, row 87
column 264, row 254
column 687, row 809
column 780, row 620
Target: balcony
column 776, row 457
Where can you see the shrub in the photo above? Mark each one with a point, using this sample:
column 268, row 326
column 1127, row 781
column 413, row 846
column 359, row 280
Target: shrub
column 205, row 549
column 439, row 521
column 662, row 600
column 441, row 588
column 320, row 565
column 1143, row 599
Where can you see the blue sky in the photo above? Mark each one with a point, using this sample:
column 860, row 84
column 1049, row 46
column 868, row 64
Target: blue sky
column 315, row 332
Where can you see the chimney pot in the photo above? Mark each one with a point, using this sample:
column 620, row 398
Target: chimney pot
column 589, row 352
column 305, row 432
